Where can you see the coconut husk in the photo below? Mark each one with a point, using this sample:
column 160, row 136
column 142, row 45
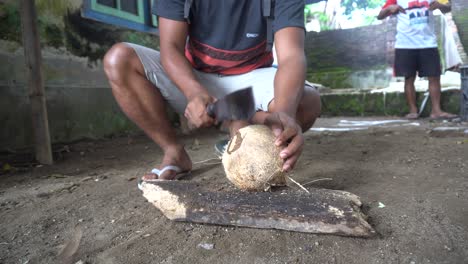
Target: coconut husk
column 251, row 160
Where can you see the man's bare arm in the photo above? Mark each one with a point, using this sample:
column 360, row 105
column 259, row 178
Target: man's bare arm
column 289, row 88
column 390, row 10
column 173, row 36
column 290, row 77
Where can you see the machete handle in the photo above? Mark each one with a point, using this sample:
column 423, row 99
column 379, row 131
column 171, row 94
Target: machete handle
column 210, row 110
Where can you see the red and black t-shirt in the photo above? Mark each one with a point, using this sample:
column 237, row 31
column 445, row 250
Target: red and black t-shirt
column 229, row 36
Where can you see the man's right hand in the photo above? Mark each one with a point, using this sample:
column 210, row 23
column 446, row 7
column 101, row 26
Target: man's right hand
column 395, row 9
column 195, row 112
column 390, row 10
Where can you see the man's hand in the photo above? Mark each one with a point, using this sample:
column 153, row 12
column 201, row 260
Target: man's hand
column 395, row 9
column 390, row 10
column 195, row 112
column 444, row 8
column 289, row 135
column 437, row 5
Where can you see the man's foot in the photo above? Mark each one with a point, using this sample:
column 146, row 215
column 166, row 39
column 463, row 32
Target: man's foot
column 176, row 157
column 442, row 116
column 412, row 116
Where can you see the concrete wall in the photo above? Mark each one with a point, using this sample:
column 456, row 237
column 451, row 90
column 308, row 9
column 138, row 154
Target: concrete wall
column 364, row 103
column 80, row 103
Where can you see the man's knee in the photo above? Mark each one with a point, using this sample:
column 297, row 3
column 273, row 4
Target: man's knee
column 309, row 108
column 118, row 61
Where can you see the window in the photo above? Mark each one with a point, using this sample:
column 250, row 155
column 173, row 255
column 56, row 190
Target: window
column 154, row 19
column 131, row 10
column 133, row 14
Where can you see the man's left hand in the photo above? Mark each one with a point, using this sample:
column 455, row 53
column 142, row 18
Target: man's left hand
column 289, row 135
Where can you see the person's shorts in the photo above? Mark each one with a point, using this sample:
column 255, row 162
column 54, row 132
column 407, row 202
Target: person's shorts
column 217, row 85
column 425, row 62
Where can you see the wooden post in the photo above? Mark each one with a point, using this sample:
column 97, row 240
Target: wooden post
column 32, row 55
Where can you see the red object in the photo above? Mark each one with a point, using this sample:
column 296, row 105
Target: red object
column 412, row 4
column 208, row 59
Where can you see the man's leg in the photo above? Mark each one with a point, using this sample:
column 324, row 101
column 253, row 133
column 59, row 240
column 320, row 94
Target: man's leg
column 307, row 112
column 262, row 81
column 309, row 108
column 410, row 93
column 430, row 67
column 406, row 65
column 434, row 91
column 143, row 103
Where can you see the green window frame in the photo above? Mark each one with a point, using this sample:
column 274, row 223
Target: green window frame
column 154, row 18
column 118, row 12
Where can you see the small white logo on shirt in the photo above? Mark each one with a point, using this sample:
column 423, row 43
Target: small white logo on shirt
column 251, row 35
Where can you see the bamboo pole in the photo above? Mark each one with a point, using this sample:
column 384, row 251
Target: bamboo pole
column 33, row 60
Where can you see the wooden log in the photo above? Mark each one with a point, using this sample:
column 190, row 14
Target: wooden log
column 32, row 55
column 321, row 211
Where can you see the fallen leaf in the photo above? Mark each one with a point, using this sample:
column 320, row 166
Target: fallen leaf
column 57, row 176
column 87, row 179
column 6, row 167
column 207, row 246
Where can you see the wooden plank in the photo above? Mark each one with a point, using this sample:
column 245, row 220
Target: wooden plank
column 321, row 211
column 33, row 60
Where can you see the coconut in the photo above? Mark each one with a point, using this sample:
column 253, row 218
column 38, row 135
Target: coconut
column 251, row 159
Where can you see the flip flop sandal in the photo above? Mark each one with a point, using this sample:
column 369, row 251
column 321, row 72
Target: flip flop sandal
column 178, row 171
column 440, row 118
column 220, row 147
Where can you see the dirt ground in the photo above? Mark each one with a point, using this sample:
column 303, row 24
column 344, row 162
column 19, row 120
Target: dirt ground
column 89, row 203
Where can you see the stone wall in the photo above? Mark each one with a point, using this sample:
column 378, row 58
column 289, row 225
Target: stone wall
column 460, row 16
column 363, row 57
column 358, row 57
column 455, row 31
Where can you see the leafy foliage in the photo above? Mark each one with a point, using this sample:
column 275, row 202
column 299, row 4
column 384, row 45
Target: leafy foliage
column 351, row 5
column 10, row 24
column 323, row 19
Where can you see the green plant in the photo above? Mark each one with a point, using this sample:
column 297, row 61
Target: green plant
column 10, row 23
column 351, row 5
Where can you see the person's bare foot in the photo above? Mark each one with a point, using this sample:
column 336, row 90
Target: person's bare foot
column 442, row 116
column 176, row 156
column 412, row 116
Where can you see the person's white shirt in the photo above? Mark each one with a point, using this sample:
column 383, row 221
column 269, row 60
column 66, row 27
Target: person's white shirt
column 415, row 29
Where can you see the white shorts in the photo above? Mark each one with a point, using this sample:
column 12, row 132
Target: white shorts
column 217, row 85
